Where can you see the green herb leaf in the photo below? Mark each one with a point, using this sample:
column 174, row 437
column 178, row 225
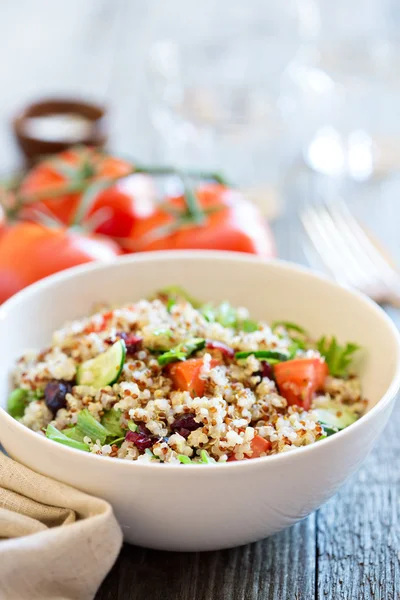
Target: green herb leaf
column 185, row 460
column 150, row 453
column 52, row 433
column 182, row 351
column 337, row 357
column 289, row 327
column 226, row 315
column 248, row 326
column 111, row 420
column 170, row 303
column 74, row 433
column 35, row 394
column 267, row 354
column 208, row 312
column 206, row 458
column 116, row 441
column 92, row 428
column 17, row 401
column 132, row 426
column 175, row 292
column 329, row 430
column 167, row 332
column 294, row 347
column 171, row 356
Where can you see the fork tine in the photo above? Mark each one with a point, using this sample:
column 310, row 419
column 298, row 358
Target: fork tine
column 347, row 252
column 325, row 242
column 345, row 248
column 376, row 260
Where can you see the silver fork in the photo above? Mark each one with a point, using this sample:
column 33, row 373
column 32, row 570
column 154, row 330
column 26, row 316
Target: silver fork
column 348, row 254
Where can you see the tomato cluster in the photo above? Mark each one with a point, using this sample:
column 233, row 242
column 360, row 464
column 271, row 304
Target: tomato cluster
column 83, row 205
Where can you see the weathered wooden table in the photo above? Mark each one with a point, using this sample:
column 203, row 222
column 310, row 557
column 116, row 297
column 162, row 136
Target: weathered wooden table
column 350, row 548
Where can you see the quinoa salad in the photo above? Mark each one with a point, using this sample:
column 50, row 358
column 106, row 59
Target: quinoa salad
column 171, row 380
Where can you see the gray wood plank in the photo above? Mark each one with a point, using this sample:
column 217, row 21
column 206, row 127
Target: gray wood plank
column 279, row 568
column 358, row 538
column 358, row 531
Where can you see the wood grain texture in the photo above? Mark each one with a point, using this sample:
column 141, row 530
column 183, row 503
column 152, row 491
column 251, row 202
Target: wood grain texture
column 358, row 531
column 277, row 568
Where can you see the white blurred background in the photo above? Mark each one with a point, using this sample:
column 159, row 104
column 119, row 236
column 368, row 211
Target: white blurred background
column 269, row 92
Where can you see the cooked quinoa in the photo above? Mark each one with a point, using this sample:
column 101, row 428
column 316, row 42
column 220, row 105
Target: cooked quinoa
column 193, row 383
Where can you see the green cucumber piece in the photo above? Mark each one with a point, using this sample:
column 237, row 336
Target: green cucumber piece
column 335, row 416
column 263, row 354
column 17, row 402
column 105, row 369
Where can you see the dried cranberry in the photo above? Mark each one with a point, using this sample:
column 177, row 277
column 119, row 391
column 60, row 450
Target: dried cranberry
column 55, row 394
column 133, row 342
column 143, row 429
column 267, row 370
column 227, row 351
column 185, row 424
column 141, row 440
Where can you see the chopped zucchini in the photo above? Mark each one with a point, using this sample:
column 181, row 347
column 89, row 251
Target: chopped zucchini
column 334, row 416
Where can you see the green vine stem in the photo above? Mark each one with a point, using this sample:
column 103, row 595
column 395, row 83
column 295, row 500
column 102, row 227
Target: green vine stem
column 81, row 181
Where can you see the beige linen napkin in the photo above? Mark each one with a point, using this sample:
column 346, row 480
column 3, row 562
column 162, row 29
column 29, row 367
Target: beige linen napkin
column 55, row 542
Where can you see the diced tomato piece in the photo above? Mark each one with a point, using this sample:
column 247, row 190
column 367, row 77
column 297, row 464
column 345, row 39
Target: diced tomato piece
column 102, row 326
column 186, row 375
column 259, row 446
column 299, row 379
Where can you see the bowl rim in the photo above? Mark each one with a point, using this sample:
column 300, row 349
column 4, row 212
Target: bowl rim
column 167, row 255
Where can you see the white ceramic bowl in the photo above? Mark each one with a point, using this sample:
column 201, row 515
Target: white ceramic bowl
column 208, row 507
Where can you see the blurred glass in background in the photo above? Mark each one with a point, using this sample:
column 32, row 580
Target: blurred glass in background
column 263, row 90
column 216, row 94
column 347, row 92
